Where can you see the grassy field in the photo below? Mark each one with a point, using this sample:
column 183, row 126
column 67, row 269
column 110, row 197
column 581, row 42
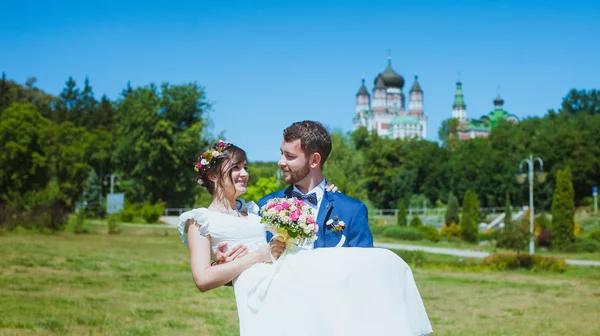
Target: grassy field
column 139, row 283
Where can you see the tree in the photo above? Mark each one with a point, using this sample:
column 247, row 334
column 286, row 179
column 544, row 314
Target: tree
column 452, row 211
column 344, row 166
column 563, row 211
column 448, row 133
column 507, row 212
column 582, row 101
column 263, row 187
column 92, row 195
column 159, row 140
column 402, row 221
column 469, row 217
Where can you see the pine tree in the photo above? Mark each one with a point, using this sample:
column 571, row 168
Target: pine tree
column 92, row 195
column 452, row 211
column 563, row 210
column 469, row 217
column 402, row 221
column 416, row 221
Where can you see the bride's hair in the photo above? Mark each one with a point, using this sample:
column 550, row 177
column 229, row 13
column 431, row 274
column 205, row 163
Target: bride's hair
column 220, row 165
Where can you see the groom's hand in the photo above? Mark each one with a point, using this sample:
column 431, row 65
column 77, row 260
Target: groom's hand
column 235, row 252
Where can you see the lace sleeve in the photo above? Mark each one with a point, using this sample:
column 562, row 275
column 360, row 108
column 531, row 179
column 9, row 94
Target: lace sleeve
column 200, row 216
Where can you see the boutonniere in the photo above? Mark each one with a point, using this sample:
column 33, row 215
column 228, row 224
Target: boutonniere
column 336, row 224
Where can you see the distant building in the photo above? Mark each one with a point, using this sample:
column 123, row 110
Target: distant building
column 482, row 127
column 386, row 113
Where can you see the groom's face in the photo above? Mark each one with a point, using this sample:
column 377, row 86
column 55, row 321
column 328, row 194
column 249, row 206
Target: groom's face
column 293, row 162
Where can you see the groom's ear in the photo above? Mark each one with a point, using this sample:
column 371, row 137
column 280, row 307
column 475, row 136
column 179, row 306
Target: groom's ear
column 315, row 160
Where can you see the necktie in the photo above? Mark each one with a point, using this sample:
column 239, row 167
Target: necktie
column 311, row 198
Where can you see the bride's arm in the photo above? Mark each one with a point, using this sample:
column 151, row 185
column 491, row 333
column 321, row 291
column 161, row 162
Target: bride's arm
column 207, row 277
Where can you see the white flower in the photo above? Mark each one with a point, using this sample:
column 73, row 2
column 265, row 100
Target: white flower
column 329, row 222
column 307, row 230
column 341, row 223
column 216, row 154
column 204, row 162
column 286, row 220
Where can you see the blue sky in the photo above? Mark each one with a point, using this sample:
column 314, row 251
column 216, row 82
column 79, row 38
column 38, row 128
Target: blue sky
column 267, row 64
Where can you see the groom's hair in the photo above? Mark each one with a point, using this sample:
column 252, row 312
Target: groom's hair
column 313, row 136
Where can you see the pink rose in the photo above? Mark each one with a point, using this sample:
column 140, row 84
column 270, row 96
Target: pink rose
column 310, row 220
column 294, row 216
column 199, row 165
column 300, row 203
column 278, row 207
column 316, row 227
column 221, row 143
column 272, row 205
column 285, row 205
column 202, row 156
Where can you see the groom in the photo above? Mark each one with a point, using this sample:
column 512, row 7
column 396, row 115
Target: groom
column 342, row 220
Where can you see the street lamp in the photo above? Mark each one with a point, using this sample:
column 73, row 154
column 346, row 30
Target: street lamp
column 112, row 181
column 541, row 177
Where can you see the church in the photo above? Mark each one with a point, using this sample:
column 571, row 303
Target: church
column 482, row 127
column 386, row 112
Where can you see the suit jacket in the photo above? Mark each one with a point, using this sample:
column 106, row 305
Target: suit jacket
column 335, row 206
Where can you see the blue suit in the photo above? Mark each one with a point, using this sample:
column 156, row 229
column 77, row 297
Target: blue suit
column 353, row 212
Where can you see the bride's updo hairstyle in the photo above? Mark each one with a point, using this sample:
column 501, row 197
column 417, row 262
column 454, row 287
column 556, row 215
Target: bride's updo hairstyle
column 219, row 161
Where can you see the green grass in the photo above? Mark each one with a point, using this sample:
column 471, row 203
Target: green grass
column 139, row 283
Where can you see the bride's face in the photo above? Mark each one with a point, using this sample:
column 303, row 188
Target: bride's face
column 236, row 185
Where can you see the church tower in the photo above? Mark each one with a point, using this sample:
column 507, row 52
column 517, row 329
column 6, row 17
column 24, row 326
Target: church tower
column 459, row 109
column 415, row 99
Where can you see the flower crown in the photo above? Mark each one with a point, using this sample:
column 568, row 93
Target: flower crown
column 209, row 157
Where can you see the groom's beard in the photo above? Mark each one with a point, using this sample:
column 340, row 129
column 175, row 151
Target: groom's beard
column 298, row 175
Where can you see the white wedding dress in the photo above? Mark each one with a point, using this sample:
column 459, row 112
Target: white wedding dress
column 328, row 291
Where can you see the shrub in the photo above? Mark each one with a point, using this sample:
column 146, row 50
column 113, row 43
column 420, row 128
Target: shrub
column 583, row 245
column 417, row 258
column 401, row 221
column 543, row 221
column 595, row 235
column 544, row 239
column 488, row 235
column 77, row 224
column 152, row 212
column 129, row 212
column 430, row 232
column 416, row 221
column 376, row 229
column 114, row 223
column 576, row 228
column 513, row 237
column 503, row 261
column 453, row 230
column 402, row 232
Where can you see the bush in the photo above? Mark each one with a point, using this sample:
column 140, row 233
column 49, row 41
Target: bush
column 152, row 212
column 583, row 245
column 416, row 221
column 417, row 258
column 543, row 221
column 503, row 261
column 129, row 212
column 453, row 230
column 402, row 232
column 595, row 235
column 430, row 232
column 488, row 235
column 376, row 229
column 77, row 224
column 544, row 239
column 114, row 223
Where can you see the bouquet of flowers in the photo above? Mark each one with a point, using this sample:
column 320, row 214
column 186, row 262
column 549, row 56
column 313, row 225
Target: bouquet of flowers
column 290, row 220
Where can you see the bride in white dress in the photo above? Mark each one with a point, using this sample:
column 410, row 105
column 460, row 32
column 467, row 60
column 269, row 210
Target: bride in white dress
column 328, row 291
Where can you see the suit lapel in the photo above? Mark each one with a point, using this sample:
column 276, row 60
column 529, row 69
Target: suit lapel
column 324, row 211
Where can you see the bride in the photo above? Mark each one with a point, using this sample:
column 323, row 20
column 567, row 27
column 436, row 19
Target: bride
column 328, row 291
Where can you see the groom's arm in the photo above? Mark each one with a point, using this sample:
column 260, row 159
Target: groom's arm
column 359, row 234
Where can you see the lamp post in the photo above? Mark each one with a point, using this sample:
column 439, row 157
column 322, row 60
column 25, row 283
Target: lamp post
column 541, row 175
column 112, row 181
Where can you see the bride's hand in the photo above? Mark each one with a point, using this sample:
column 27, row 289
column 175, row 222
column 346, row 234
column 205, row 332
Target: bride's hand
column 274, row 248
column 330, row 187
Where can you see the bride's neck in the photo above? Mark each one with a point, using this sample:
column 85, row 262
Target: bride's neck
column 223, row 204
